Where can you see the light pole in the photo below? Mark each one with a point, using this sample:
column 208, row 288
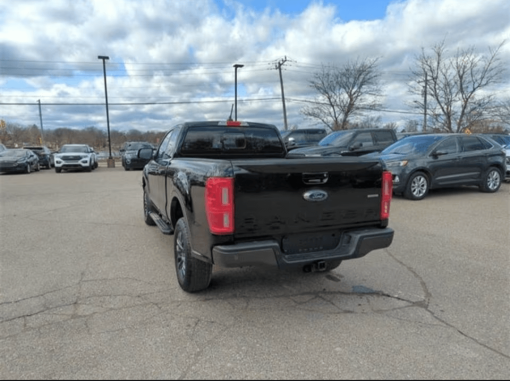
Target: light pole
column 236, row 66
column 40, row 118
column 110, row 161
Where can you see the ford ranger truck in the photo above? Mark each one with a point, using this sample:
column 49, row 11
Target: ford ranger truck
column 232, row 197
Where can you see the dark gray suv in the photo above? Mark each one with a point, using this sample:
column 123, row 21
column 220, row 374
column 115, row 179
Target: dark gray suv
column 423, row 162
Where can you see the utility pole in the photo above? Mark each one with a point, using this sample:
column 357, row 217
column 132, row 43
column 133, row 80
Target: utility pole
column 40, row 118
column 279, row 67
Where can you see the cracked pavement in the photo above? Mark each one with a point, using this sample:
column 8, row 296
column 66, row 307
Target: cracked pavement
column 88, row 291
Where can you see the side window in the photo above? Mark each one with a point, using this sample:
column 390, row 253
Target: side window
column 172, row 142
column 315, row 135
column 471, row 143
column 299, row 136
column 382, row 137
column 449, row 146
column 365, row 138
column 163, row 146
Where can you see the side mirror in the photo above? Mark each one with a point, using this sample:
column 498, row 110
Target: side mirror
column 355, row 146
column 439, row 153
column 145, row 153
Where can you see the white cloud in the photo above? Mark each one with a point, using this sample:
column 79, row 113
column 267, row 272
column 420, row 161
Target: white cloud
column 193, row 46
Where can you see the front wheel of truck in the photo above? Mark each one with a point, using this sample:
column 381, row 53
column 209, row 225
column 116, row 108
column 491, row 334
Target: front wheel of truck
column 193, row 274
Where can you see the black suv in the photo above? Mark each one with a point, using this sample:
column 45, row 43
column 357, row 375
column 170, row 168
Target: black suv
column 303, row 137
column 129, row 155
column 45, row 155
column 354, row 142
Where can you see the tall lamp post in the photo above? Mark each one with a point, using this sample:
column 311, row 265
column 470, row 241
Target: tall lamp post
column 236, row 66
column 110, row 161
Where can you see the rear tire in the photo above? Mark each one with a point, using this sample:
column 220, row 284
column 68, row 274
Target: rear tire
column 28, row 169
column 147, row 209
column 491, row 180
column 192, row 273
column 417, row 187
column 58, row 170
column 37, row 167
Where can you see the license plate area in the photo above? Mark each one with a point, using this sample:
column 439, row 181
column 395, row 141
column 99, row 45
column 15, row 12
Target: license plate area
column 309, row 243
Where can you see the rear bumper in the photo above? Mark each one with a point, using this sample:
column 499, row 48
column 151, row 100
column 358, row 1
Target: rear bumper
column 354, row 244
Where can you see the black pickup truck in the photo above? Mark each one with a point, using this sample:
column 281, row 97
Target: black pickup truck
column 232, row 197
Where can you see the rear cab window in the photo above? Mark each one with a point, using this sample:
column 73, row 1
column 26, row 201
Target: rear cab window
column 215, row 140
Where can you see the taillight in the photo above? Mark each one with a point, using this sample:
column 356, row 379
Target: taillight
column 387, row 193
column 219, row 204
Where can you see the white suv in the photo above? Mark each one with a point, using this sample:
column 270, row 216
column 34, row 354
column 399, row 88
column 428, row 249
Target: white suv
column 75, row 156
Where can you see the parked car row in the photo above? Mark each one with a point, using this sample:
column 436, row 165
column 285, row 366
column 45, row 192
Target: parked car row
column 418, row 162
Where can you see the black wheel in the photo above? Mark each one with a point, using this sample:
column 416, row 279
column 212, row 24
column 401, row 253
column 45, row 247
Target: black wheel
column 89, row 168
column 58, row 170
column 417, row 186
column 28, row 169
column 147, row 208
column 37, row 167
column 331, row 265
column 491, row 180
column 192, row 273
column 96, row 165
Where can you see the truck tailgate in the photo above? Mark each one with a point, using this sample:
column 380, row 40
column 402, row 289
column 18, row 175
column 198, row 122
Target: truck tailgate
column 305, row 195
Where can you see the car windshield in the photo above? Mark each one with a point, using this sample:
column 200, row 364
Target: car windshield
column 285, row 133
column 137, row 146
column 502, row 139
column 13, row 153
column 411, row 145
column 66, row 149
column 338, row 138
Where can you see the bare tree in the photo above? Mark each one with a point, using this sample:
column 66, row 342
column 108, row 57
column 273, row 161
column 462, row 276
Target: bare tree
column 367, row 122
column 453, row 88
column 344, row 92
column 502, row 112
column 411, row 125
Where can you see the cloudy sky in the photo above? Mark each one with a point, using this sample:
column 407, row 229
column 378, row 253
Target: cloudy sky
column 172, row 60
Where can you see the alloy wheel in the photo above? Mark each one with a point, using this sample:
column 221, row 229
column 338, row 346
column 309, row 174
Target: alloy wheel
column 493, row 180
column 181, row 256
column 419, row 186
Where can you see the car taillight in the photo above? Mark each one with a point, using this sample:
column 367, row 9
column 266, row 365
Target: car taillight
column 387, row 193
column 219, row 204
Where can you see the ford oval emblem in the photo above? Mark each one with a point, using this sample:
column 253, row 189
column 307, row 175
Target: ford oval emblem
column 315, row 195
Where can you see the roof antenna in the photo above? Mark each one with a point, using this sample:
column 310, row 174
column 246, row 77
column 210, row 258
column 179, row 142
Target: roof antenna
column 230, row 117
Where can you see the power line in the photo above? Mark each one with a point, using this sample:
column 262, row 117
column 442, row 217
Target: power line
column 138, row 103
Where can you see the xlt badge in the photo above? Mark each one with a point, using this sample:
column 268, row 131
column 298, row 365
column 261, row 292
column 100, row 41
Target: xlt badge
column 315, row 195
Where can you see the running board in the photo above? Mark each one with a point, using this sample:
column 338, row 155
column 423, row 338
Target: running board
column 162, row 225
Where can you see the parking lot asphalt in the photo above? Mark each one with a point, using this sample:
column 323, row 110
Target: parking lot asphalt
column 88, row 291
